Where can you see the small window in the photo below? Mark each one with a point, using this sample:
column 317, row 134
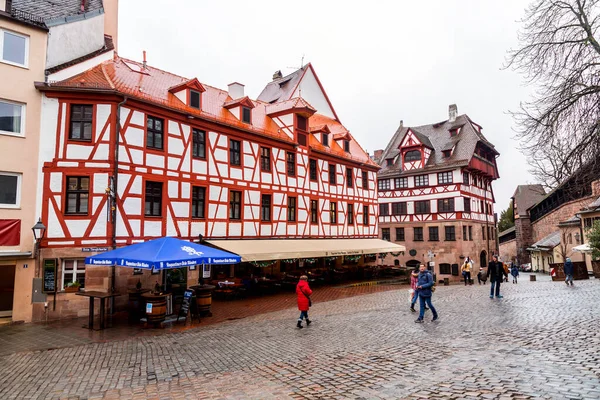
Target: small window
column 265, row 159
column 384, row 184
column 414, row 155
column 347, row 146
column 399, row 208
column 418, row 232
column 470, row 233
column 312, row 167
column 314, row 211
column 401, row 183
column 446, row 153
column 291, row 164
column 365, row 180
column 385, row 234
column 246, row 115
column 422, row 207
column 73, row 271
column 10, row 190
column 235, row 205
column 453, row 132
column 77, row 195
column 291, row 209
column 81, row 122
column 15, row 48
column 154, row 133
column 349, row 177
column 194, row 99
column 325, row 139
column 445, row 269
column 390, row 162
column 301, row 122
column 235, row 152
column 445, row 205
column 365, row 215
column 12, row 118
column 399, row 234
column 434, row 234
column 467, row 203
column 465, row 237
column 265, row 207
column 332, row 174
column 350, row 214
column 466, row 180
column 333, row 212
column 450, row 233
column 198, row 143
column 483, row 232
column 444, row 177
column 421, row 180
column 198, row 201
column 153, row 201
column 384, row 209
column 301, row 138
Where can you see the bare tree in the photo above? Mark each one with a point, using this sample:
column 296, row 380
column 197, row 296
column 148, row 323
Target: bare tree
column 559, row 128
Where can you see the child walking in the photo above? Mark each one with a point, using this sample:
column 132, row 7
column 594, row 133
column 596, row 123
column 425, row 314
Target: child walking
column 414, row 279
column 514, row 271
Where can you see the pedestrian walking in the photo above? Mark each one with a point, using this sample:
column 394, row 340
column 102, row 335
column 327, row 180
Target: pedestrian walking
column 424, row 284
column 303, row 291
column 569, row 270
column 414, row 278
column 514, row 271
column 466, row 270
column 496, row 273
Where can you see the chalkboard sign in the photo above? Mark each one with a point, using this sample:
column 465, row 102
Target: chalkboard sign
column 50, row 275
column 184, row 310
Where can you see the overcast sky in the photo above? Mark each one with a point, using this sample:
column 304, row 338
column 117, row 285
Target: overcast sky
column 379, row 61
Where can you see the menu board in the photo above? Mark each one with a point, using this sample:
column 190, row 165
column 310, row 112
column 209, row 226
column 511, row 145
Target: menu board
column 185, row 304
column 49, row 277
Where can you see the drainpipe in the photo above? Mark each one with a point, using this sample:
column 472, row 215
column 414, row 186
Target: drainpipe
column 116, row 193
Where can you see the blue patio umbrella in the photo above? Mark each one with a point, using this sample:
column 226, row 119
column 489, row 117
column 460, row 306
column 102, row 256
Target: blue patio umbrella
column 163, row 253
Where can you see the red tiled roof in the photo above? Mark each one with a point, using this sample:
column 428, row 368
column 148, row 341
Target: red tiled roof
column 290, row 105
column 245, row 101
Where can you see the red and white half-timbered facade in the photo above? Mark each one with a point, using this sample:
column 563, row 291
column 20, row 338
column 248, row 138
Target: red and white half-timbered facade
column 435, row 194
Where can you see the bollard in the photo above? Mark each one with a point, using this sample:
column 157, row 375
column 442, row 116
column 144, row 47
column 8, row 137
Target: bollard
column 532, row 278
column 446, row 281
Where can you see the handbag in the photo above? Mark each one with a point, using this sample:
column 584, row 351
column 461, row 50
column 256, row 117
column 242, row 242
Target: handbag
column 309, row 300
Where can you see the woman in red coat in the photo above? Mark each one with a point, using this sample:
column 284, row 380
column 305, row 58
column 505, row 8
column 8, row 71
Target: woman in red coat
column 303, row 291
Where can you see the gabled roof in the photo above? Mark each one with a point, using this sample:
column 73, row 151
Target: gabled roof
column 592, row 207
column 49, row 10
column 422, row 138
column 574, row 220
column 438, row 138
column 242, row 101
column 547, row 243
column 527, row 195
column 320, row 128
column 297, row 104
column 193, row 84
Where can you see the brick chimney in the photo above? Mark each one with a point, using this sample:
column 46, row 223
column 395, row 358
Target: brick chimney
column 452, row 112
column 277, row 75
column 377, row 154
column 236, row 90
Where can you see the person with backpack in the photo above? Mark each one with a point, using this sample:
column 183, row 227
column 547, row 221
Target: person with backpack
column 496, row 273
column 569, row 270
column 303, row 291
column 424, row 289
column 514, row 271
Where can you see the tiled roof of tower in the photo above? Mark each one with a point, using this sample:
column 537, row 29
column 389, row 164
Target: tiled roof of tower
column 437, row 136
column 152, row 85
column 526, row 196
column 52, row 9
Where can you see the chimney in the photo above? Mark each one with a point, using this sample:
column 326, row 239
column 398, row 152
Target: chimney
column 452, row 112
column 277, row 75
column 377, row 154
column 144, row 63
column 236, row 90
column 401, row 123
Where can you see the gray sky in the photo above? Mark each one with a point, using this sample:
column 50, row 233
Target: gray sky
column 380, row 62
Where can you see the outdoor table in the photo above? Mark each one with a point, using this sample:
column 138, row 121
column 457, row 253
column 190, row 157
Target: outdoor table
column 102, row 296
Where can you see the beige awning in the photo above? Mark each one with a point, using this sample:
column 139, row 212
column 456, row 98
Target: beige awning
column 280, row 249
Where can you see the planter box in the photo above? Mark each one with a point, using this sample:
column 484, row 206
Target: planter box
column 72, row 289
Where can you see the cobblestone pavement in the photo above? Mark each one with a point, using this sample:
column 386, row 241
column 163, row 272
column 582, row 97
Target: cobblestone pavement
column 541, row 341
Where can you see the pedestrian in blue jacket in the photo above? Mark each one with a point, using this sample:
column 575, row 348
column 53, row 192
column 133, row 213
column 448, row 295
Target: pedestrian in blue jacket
column 569, row 270
column 424, row 285
column 514, row 271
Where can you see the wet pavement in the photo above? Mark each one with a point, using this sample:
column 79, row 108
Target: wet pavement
column 540, row 341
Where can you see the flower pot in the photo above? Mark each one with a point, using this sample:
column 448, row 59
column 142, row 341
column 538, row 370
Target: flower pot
column 72, row 289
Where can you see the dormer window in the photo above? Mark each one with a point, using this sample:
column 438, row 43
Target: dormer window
column 325, row 137
column 413, row 155
column 246, row 115
column 390, row 162
column 347, row 146
column 194, row 99
column 453, row 132
column 446, row 153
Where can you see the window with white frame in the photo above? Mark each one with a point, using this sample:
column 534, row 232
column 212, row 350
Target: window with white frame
column 12, row 118
column 10, row 190
column 14, row 48
column 73, row 271
column 444, row 177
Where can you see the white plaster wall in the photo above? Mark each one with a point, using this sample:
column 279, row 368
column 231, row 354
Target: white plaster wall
column 312, row 93
column 100, row 183
column 180, row 209
column 77, row 227
column 78, row 152
column 69, row 41
column 182, row 95
column 153, row 160
column 152, row 228
column 133, row 206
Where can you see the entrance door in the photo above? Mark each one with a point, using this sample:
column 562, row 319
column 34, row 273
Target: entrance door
column 413, row 264
column 7, row 290
column 483, row 259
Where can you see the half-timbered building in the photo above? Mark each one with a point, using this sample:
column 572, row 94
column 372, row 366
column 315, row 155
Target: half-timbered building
column 435, row 194
column 132, row 153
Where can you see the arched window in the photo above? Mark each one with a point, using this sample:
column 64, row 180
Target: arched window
column 413, row 155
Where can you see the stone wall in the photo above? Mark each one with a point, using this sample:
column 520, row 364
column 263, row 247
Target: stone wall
column 549, row 222
column 508, row 251
column 524, row 239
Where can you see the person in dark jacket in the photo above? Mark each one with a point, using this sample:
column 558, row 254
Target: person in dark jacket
column 569, row 270
column 303, row 292
column 424, row 284
column 514, row 271
column 496, row 273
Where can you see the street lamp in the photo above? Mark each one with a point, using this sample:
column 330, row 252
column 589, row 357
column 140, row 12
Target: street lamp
column 39, row 230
